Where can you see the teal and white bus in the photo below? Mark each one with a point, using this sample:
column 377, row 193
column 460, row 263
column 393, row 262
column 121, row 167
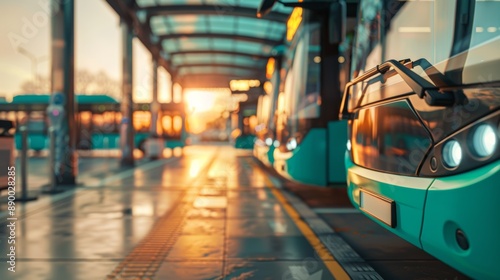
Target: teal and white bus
column 305, row 138
column 98, row 119
column 423, row 158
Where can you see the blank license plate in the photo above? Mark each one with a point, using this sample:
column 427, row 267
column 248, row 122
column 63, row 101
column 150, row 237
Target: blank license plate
column 382, row 208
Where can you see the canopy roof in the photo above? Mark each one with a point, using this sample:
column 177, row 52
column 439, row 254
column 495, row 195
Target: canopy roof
column 195, row 38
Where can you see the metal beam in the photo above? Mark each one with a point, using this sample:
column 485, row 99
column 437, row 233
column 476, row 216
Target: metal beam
column 126, row 125
column 141, row 30
column 155, row 105
column 235, row 37
column 219, row 76
column 255, row 56
column 217, row 10
column 213, row 79
column 63, row 105
column 224, row 65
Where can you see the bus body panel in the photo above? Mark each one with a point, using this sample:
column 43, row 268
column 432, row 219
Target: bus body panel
column 36, row 141
column 306, row 163
column 270, row 155
column 173, row 144
column 337, row 139
column 469, row 202
column 264, row 154
column 407, row 192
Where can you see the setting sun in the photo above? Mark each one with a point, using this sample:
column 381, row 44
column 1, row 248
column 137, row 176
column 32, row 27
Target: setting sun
column 204, row 105
column 199, row 101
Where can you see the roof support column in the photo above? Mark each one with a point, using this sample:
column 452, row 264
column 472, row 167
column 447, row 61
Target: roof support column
column 62, row 108
column 127, row 110
column 155, row 105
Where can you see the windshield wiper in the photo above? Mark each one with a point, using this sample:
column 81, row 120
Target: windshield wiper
column 423, row 88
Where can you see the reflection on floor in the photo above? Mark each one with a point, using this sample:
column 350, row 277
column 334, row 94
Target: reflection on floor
column 210, row 214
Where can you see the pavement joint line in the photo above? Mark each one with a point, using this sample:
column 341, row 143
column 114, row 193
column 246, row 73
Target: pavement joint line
column 336, row 211
column 53, row 201
column 335, row 269
column 339, row 266
column 345, row 259
column 164, row 224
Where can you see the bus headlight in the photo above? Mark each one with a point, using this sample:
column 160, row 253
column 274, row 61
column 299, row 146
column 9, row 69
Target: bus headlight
column 291, row 144
column 452, row 153
column 484, row 140
column 348, row 145
column 276, row 143
column 269, row 141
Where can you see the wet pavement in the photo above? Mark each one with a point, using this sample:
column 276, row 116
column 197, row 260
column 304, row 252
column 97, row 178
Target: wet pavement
column 213, row 213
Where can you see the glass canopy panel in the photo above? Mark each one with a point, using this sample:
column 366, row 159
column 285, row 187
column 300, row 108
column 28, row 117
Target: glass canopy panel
column 243, row 60
column 251, row 4
column 159, row 26
column 223, row 59
column 249, row 47
column 216, row 70
column 223, row 44
column 257, row 28
column 199, row 59
column 221, row 24
column 146, row 3
column 221, row 21
column 170, row 46
column 180, row 2
column 186, row 24
column 219, row 4
column 217, row 59
column 179, row 59
column 190, row 44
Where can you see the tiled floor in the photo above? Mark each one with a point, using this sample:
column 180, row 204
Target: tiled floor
column 207, row 215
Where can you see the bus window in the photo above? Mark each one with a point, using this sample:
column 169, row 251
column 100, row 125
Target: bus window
column 118, row 118
column 85, row 118
column 417, row 31
column 177, row 93
column 366, row 52
column 177, row 125
column 97, row 122
column 483, row 56
column 109, row 121
column 142, row 121
column 166, row 123
column 306, row 81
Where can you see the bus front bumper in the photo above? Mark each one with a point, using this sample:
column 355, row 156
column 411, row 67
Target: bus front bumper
column 462, row 221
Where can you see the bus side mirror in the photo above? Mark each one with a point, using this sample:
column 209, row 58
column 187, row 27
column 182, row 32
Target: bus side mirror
column 265, row 7
column 337, row 22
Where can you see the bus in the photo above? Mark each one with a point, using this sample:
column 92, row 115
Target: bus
column 422, row 106
column 266, row 110
column 305, row 138
column 98, row 121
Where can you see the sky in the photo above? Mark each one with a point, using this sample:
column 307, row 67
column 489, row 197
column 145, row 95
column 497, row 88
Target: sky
column 26, row 24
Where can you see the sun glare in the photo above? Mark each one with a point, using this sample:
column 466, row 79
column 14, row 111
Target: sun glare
column 199, row 101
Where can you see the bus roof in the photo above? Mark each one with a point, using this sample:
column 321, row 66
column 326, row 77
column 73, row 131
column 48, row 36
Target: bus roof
column 80, row 99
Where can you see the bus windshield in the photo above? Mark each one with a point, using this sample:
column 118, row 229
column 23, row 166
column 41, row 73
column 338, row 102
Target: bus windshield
column 464, row 54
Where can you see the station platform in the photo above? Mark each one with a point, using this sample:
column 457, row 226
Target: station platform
column 212, row 213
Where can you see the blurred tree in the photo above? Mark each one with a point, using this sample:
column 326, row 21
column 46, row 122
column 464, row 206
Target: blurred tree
column 85, row 83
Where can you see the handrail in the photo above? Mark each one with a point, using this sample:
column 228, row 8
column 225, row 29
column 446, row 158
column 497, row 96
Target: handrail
column 423, row 88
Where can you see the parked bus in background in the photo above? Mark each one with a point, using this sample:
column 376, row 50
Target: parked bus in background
column 98, row 120
column 307, row 137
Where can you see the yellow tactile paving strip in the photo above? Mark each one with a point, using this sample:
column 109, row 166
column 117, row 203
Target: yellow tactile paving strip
column 328, row 259
column 143, row 262
column 146, row 258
